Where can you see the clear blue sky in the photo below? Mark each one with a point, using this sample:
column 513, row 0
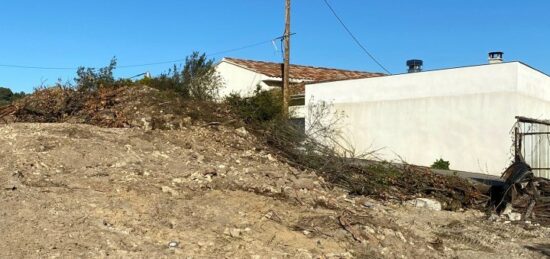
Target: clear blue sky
column 444, row 33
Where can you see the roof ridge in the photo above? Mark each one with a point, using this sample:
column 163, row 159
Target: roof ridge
column 305, row 66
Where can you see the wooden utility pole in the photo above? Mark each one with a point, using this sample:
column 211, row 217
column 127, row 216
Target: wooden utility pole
column 286, row 65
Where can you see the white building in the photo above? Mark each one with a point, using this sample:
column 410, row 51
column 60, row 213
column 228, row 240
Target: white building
column 243, row 77
column 463, row 115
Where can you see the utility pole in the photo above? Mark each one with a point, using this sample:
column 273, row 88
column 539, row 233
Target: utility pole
column 286, row 65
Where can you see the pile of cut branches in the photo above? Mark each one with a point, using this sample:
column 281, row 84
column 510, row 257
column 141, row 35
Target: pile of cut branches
column 128, row 106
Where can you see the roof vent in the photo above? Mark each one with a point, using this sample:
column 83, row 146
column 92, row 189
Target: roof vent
column 415, row 65
column 495, row 57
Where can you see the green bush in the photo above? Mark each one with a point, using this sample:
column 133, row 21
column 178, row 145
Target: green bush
column 90, row 79
column 7, row 96
column 197, row 80
column 263, row 106
column 441, row 164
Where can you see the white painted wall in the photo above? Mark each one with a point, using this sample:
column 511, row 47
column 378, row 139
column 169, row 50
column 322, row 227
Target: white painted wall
column 238, row 79
column 463, row 115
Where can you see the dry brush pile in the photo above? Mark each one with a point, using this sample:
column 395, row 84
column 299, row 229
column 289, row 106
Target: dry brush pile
column 117, row 107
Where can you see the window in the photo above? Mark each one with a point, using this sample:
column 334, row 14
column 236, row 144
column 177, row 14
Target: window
column 297, row 100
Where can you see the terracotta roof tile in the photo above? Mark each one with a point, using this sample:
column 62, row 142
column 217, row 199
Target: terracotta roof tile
column 298, row 72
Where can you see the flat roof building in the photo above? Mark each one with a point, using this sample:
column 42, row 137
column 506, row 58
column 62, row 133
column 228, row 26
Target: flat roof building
column 464, row 115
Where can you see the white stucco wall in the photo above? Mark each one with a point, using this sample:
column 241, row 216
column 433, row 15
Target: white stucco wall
column 239, row 80
column 242, row 81
column 463, row 115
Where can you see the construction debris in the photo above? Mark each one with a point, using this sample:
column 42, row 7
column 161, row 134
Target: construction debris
column 523, row 196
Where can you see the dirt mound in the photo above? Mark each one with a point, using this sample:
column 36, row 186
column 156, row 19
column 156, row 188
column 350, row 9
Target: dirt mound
column 148, row 108
column 72, row 190
column 202, row 188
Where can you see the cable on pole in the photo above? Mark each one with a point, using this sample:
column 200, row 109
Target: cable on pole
column 144, row 64
column 355, row 38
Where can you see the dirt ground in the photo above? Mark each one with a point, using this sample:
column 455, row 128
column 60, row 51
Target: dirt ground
column 70, row 190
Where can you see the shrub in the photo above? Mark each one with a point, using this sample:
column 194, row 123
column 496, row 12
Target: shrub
column 441, row 164
column 7, row 96
column 263, row 106
column 200, row 79
column 88, row 79
column 170, row 81
column 197, row 80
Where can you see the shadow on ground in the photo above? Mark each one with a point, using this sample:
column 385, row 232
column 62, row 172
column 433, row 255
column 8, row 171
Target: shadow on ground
column 541, row 248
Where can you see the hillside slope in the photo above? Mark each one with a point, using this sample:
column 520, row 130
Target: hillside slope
column 71, row 190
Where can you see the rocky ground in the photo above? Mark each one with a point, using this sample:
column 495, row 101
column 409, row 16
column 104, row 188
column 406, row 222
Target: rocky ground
column 70, row 190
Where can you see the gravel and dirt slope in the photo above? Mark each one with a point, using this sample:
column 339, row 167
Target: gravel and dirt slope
column 72, row 190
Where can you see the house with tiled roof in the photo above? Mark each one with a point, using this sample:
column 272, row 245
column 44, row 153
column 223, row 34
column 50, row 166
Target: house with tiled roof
column 244, row 76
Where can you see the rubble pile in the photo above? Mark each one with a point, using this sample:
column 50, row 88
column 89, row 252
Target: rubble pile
column 523, row 196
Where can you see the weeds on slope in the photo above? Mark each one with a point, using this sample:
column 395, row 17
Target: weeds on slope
column 322, row 148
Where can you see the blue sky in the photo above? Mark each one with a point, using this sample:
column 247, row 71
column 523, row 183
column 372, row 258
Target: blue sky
column 444, row 33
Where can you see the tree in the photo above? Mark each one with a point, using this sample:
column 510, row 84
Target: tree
column 200, row 79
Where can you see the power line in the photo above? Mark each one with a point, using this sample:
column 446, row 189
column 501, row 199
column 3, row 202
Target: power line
column 38, row 67
column 144, row 64
column 353, row 37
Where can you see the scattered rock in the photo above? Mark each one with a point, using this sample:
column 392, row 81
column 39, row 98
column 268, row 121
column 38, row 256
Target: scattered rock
column 241, row 132
column 425, row 203
column 173, row 244
column 178, row 180
column 514, row 216
column 233, row 232
column 167, row 189
column 270, row 158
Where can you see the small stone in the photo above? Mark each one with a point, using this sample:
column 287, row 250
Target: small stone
column 368, row 229
column 173, row 244
column 426, row 203
column 178, row 180
column 493, row 217
column 270, row 158
column 242, row 132
column 514, row 216
column 368, row 205
column 400, row 235
column 233, row 232
column 167, row 189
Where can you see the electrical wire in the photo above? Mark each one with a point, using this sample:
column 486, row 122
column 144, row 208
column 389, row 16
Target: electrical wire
column 144, row 64
column 354, row 38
